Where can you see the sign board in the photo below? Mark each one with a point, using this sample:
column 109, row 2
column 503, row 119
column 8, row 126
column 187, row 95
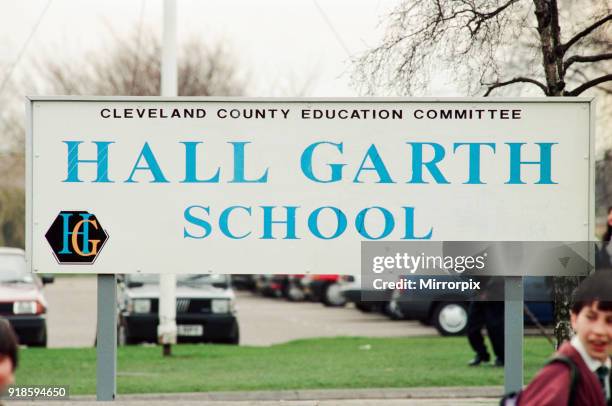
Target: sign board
column 122, row 185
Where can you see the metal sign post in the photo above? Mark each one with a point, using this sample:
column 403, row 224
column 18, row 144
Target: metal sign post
column 513, row 333
column 106, row 340
column 166, row 330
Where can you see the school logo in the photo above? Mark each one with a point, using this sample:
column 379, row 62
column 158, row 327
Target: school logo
column 76, row 237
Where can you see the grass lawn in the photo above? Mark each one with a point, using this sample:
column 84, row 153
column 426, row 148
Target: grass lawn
column 344, row 362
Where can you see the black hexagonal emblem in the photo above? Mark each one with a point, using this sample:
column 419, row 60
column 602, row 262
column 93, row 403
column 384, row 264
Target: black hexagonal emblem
column 76, row 237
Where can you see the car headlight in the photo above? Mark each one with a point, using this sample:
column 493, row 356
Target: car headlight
column 220, row 306
column 25, row 307
column 141, row 305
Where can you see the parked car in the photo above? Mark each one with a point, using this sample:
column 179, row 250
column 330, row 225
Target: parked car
column 324, row 289
column 22, row 301
column 294, row 292
column 205, row 310
column 271, row 285
column 375, row 300
column 243, row 281
column 447, row 312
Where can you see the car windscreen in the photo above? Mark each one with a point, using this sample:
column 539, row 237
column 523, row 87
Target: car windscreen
column 183, row 279
column 13, row 269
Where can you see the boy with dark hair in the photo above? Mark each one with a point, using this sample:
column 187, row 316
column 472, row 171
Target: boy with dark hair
column 580, row 372
column 8, row 354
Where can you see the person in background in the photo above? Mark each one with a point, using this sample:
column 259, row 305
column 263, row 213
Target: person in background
column 603, row 255
column 587, row 354
column 483, row 311
column 8, row 354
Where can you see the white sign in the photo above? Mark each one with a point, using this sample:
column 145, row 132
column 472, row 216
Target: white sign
column 120, row 185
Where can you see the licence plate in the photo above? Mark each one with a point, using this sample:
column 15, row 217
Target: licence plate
column 190, row 330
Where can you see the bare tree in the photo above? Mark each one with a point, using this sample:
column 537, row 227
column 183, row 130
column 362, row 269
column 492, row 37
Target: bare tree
column 12, row 173
column 489, row 44
column 486, row 46
column 132, row 67
column 12, row 213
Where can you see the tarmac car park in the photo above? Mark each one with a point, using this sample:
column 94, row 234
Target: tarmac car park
column 22, row 301
column 205, row 309
column 445, row 310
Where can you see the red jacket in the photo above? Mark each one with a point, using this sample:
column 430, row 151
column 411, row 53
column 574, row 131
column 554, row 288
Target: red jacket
column 551, row 385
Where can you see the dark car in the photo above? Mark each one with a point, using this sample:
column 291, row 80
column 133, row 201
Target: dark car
column 294, row 291
column 376, row 300
column 324, row 288
column 205, row 310
column 271, row 285
column 447, row 312
column 243, row 281
column 22, row 301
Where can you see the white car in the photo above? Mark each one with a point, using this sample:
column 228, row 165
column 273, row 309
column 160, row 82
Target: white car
column 205, row 309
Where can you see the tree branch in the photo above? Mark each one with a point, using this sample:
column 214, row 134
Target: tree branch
column 585, row 32
column 480, row 18
column 589, row 84
column 580, row 58
column 519, row 79
column 605, row 90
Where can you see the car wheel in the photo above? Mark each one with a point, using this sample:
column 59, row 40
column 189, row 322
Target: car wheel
column 450, row 318
column 121, row 335
column 234, row 337
column 41, row 340
column 332, row 296
column 295, row 294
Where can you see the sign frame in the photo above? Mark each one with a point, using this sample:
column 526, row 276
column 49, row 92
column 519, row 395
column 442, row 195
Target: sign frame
column 590, row 102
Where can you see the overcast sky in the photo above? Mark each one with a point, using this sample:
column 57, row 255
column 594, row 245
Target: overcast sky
column 277, row 41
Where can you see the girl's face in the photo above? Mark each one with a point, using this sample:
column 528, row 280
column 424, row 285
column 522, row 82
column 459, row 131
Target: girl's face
column 610, row 218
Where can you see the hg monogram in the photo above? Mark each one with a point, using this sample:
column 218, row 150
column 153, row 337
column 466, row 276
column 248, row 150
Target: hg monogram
column 76, row 237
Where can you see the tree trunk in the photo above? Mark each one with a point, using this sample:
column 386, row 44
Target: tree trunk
column 562, row 292
column 547, row 14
